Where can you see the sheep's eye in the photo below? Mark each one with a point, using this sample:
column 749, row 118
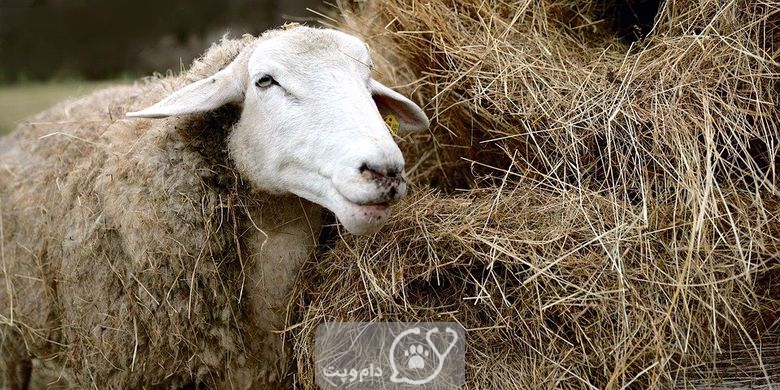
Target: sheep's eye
column 265, row 82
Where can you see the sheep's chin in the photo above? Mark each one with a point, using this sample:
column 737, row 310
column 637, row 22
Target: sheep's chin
column 361, row 219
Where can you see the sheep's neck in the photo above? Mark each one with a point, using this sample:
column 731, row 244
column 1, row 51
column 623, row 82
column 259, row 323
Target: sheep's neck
column 283, row 236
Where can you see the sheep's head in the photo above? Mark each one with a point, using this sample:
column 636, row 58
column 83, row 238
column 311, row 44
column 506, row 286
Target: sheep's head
column 312, row 122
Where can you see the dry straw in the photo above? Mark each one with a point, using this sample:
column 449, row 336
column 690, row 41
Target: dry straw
column 596, row 214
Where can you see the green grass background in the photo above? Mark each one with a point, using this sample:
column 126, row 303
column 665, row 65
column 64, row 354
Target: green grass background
column 22, row 100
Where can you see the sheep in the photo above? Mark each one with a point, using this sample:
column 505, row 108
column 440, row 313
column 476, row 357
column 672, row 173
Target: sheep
column 150, row 234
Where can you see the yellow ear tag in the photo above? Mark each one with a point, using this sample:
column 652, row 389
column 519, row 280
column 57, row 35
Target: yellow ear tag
column 392, row 124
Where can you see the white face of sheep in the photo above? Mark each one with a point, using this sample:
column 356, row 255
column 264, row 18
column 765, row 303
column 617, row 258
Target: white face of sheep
column 312, row 122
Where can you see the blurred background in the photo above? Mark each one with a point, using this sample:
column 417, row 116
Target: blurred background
column 53, row 49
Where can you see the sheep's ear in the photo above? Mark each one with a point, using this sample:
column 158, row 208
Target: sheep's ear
column 410, row 116
column 226, row 86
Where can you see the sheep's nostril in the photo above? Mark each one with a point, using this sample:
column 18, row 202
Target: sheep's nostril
column 392, row 172
column 374, row 173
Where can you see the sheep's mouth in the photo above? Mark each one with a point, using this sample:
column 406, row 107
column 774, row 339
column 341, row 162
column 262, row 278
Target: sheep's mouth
column 368, row 209
column 360, row 217
column 359, row 192
column 378, row 202
column 375, row 205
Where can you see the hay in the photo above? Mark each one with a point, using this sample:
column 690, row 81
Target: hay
column 596, row 214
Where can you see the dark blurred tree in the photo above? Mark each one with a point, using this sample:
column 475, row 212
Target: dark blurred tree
column 96, row 39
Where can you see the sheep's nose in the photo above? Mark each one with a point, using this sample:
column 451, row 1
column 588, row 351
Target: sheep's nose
column 389, row 179
column 374, row 172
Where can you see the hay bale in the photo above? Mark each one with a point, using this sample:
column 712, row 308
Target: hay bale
column 603, row 214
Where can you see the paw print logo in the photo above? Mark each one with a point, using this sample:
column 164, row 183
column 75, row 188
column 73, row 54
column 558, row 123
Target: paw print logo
column 415, row 355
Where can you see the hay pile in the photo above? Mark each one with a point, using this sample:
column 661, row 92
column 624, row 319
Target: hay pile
column 596, row 214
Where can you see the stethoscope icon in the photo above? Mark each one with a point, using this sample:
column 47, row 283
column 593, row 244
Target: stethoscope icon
column 416, row 330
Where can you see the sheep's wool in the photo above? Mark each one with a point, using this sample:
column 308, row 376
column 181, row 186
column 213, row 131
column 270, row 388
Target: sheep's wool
column 129, row 246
